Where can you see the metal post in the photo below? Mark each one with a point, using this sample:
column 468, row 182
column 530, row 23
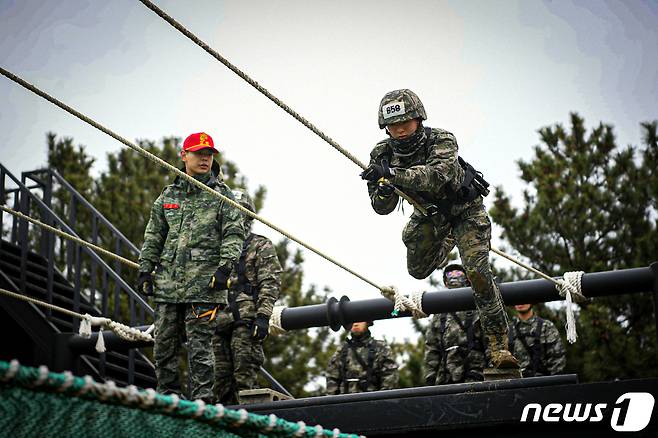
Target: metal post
column 47, row 199
column 93, row 269
column 70, row 247
column 23, row 240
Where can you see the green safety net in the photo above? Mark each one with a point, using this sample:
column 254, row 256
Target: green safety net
column 35, row 402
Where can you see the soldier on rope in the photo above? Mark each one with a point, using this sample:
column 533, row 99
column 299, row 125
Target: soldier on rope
column 191, row 244
column 454, row 345
column 423, row 162
column 254, row 288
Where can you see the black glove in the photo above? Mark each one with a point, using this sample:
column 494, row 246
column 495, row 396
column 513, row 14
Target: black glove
column 385, row 190
column 220, row 280
column 145, row 284
column 376, row 171
column 261, row 327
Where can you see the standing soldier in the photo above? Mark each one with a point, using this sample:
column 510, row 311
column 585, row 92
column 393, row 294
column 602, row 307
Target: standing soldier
column 537, row 344
column 454, row 346
column 423, row 162
column 254, row 288
column 191, row 243
column 363, row 364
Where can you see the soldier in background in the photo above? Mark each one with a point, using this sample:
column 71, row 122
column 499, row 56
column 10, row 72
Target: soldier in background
column 424, row 163
column 454, row 345
column 362, row 364
column 536, row 343
column 254, row 288
column 191, row 242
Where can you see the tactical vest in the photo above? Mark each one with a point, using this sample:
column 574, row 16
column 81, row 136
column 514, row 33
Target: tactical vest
column 466, row 326
column 368, row 366
column 536, row 352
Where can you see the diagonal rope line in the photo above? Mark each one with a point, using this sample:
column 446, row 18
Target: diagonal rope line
column 181, row 174
column 71, row 237
column 196, row 40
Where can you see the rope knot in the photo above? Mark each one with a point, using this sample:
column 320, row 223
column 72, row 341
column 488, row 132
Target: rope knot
column 571, row 289
column 403, row 303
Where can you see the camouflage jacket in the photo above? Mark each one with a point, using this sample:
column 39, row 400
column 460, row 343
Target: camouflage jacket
column 346, row 374
column 189, row 235
column 548, row 357
column 428, row 175
column 262, row 272
column 448, row 357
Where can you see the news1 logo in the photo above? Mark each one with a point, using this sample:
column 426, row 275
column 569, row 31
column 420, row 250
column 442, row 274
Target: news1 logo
column 630, row 413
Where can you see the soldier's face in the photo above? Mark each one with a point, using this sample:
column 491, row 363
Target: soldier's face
column 403, row 129
column 523, row 308
column 359, row 327
column 197, row 163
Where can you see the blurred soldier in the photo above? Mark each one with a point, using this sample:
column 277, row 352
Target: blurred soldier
column 254, row 288
column 362, row 364
column 192, row 241
column 423, row 163
column 454, row 346
column 537, row 344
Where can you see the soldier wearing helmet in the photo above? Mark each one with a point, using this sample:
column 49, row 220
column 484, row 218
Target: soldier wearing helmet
column 423, row 162
column 454, row 346
column 255, row 283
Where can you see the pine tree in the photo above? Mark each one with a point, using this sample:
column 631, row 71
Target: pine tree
column 591, row 206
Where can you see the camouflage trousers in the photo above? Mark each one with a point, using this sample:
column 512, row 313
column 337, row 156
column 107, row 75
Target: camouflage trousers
column 238, row 358
column 429, row 240
column 173, row 323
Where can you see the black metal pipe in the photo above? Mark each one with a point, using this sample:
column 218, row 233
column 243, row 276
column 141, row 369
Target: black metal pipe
column 112, row 342
column 342, row 313
column 275, row 383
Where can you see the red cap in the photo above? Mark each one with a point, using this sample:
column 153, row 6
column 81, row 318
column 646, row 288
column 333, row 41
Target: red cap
column 198, row 141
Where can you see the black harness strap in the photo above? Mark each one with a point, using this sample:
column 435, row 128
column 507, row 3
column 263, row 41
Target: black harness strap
column 368, row 366
column 243, row 284
column 535, row 352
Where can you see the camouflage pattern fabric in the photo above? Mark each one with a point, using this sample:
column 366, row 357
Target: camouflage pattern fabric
column 189, row 235
column 399, row 106
column 384, row 371
column 552, row 356
column 427, row 175
column 172, row 323
column 238, row 358
column 448, row 358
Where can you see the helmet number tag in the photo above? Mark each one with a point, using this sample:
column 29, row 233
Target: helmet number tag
column 393, row 109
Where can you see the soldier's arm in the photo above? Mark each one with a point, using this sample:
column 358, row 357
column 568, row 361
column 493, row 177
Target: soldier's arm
column 389, row 369
column 432, row 358
column 333, row 375
column 555, row 354
column 442, row 166
column 154, row 237
column 232, row 232
column 268, row 274
column 381, row 204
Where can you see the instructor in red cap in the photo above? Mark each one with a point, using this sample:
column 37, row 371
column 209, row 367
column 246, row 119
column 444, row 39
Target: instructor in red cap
column 191, row 243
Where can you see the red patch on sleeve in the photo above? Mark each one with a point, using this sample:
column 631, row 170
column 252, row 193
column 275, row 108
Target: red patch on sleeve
column 170, row 206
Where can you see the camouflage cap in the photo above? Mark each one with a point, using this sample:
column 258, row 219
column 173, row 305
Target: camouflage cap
column 242, row 197
column 399, row 106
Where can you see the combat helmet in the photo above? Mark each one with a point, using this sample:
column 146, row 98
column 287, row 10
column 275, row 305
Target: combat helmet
column 455, row 282
column 399, row 106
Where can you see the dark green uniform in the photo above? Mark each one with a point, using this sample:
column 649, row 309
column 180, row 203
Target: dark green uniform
column 189, row 235
column 538, row 346
column 362, row 364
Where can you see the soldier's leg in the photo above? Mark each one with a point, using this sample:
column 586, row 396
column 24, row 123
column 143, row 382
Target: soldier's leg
column 200, row 333
column 244, row 359
column 473, row 234
column 166, row 347
column 224, row 383
column 428, row 242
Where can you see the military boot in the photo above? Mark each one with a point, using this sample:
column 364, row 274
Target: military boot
column 505, row 365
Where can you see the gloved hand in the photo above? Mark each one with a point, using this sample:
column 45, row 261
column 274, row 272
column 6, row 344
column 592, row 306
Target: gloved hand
column 220, row 280
column 376, row 171
column 261, row 327
column 145, row 284
column 385, row 190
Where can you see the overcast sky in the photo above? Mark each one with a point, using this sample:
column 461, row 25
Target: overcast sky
column 491, row 72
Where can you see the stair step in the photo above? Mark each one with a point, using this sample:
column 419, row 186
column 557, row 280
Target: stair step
column 118, row 373
column 58, row 280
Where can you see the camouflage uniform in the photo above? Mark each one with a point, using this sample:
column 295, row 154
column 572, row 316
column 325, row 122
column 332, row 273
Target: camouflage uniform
column 189, row 235
column 426, row 168
column 255, row 286
column 545, row 356
column 349, row 370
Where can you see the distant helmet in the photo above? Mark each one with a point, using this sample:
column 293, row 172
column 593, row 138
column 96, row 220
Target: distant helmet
column 242, row 197
column 456, row 281
column 399, row 106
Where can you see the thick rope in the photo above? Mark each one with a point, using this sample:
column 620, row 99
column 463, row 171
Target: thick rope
column 276, row 327
column 12, row 373
column 178, row 172
column 196, row 40
column 87, row 321
column 571, row 289
column 71, row 237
